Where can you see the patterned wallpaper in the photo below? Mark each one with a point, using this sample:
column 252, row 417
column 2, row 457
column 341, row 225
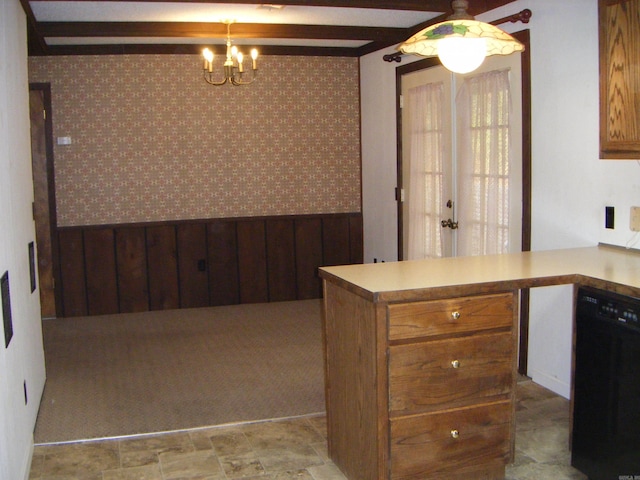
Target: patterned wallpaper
column 151, row 141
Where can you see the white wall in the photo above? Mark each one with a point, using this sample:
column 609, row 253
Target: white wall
column 379, row 172
column 23, row 360
column 570, row 185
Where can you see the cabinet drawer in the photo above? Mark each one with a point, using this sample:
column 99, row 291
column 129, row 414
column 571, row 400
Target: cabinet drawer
column 469, row 441
column 445, row 373
column 450, row 316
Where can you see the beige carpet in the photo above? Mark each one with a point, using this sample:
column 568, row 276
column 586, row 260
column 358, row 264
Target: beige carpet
column 117, row 375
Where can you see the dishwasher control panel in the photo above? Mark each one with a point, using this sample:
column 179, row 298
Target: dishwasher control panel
column 620, row 310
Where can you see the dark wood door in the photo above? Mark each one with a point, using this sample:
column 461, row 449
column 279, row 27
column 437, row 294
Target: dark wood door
column 43, row 192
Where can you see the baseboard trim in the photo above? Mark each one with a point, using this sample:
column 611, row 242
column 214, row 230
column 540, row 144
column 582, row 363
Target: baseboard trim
column 552, row 383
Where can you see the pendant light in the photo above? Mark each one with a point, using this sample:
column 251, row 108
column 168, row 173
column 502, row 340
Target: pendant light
column 460, row 42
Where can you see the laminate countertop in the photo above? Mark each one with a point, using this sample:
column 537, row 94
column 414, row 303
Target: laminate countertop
column 603, row 266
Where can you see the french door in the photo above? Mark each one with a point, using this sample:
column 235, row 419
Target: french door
column 461, row 188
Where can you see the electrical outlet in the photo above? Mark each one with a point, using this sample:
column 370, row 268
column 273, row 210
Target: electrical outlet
column 634, row 220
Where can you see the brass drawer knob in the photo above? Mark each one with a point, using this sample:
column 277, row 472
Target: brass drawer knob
column 455, row 364
column 455, row 315
column 455, row 434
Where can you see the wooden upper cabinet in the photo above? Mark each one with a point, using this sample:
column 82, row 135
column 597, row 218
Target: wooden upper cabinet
column 619, row 36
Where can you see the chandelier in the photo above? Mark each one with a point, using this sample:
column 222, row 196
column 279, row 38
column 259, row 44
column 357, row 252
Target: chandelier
column 460, row 42
column 233, row 66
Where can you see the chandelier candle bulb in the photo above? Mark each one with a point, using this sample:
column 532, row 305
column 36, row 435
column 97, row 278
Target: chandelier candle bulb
column 240, row 58
column 254, row 59
column 208, row 59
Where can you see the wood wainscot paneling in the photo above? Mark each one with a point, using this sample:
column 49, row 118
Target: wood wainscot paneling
column 224, row 283
column 281, row 259
column 131, row 263
column 198, row 263
column 73, row 288
column 335, row 236
column 192, row 265
column 308, row 238
column 100, row 266
column 252, row 261
column 162, row 265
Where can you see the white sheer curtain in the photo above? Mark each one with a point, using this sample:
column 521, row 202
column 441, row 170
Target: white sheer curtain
column 424, row 194
column 483, row 106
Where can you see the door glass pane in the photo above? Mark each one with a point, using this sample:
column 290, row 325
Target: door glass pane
column 425, row 170
column 426, row 137
column 483, row 108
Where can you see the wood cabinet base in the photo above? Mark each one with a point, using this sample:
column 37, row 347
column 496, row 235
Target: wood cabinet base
column 420, row 390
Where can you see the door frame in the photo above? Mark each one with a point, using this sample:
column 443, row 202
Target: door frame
column 524, row 37
column 45, row 88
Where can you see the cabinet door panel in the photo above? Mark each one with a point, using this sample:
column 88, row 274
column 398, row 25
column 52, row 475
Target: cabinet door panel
column 423, row 446
column 619, row 78
column 425, row 376
column 450, row 316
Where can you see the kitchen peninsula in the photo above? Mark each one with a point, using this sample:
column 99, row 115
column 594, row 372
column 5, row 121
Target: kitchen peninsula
column 420, row 357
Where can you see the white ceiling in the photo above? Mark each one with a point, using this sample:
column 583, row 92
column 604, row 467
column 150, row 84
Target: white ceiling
column 91, row 11
column 329, row 26
column 123, row 11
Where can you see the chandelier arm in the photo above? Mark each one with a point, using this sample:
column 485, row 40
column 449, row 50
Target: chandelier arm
column 211, row 82
column 237, row 80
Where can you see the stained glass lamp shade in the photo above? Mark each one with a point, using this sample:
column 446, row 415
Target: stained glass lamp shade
column 461, row 45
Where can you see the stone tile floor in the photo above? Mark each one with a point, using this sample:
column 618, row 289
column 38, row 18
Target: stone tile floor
column 286, row 449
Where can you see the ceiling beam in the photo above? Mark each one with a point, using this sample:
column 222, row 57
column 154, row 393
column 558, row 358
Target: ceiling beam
column 182, row 49
column 416, row 5
column 215, row 30
column 36, row 42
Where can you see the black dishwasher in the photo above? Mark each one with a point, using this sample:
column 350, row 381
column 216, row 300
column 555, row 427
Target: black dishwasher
column 605, row 441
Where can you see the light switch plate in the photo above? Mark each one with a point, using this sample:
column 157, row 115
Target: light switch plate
column 634, row 220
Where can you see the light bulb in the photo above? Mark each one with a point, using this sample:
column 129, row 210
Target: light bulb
column 208, row 59
column 462, row 55
column 240, row 58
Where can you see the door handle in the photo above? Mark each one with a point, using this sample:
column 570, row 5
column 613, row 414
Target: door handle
column 449, row 223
